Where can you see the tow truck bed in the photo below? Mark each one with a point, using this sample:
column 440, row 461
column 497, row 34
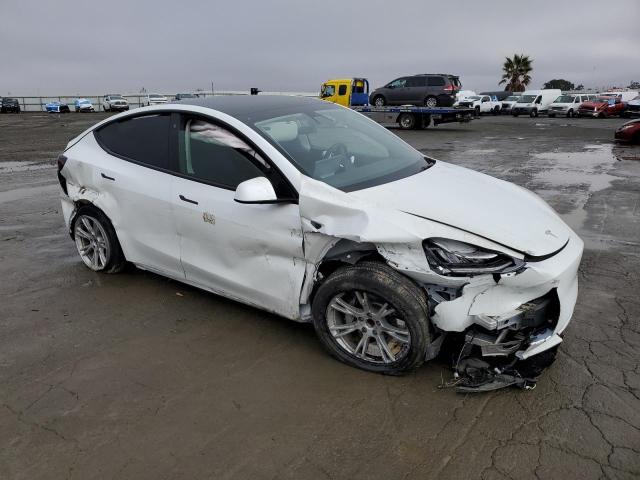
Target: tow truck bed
column 409, row 116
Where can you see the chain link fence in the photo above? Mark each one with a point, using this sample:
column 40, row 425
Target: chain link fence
column 37, row 103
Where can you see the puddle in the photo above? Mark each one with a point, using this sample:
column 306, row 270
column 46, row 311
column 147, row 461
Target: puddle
column 569, row 179
column 480, row 151
column 10, row 167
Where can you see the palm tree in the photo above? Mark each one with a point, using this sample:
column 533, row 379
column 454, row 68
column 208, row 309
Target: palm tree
column 516, row 72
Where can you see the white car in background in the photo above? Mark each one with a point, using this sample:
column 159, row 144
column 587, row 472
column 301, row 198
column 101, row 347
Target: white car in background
column 535, row 102
column 508, row 103
column 114, row 103
column 462, row 94
column 481, row 104
column 153, row 99
column 314, row 212
column 567, row 105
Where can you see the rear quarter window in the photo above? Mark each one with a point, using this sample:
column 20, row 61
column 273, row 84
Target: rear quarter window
column 436, row 81
column 140, row 139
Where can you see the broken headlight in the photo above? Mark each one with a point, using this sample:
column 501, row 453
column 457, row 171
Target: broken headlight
column 459, row 259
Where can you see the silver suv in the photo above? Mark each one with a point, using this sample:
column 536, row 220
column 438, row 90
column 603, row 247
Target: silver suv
column 429, row 89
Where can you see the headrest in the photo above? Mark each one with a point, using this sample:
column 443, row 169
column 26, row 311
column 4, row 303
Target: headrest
column 282, row 131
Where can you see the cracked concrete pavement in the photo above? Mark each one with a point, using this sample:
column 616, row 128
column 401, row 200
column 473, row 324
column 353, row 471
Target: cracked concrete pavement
column 136, row 376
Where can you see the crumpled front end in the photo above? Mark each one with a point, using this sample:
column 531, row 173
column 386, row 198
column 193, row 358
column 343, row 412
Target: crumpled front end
column 503, row 326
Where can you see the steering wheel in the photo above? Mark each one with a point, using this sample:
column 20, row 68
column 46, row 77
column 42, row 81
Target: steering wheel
column 338, row 150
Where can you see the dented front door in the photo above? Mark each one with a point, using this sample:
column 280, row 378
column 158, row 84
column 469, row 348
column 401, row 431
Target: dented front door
column 252, row 253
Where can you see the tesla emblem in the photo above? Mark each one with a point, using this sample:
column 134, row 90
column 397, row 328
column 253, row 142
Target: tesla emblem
column 549, row 232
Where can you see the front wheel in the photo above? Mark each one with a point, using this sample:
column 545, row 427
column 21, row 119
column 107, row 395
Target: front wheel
column 534, row 113
column 371, row 317
column 97, row 242
column 570, row 113
column 379, row 101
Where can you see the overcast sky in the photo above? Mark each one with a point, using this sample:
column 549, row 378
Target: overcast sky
column 89, row 47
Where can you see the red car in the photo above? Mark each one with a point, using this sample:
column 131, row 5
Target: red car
column 629, row 132
column 602, row 107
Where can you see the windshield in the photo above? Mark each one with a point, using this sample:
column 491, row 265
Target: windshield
column 473, row 97
column 186, row 95
column 116, row 97
column 83, row 100
column 153, row 95
column 512, row 98
column 527, row 98
column 341, row 147
column 603, row 99
column 564, row 99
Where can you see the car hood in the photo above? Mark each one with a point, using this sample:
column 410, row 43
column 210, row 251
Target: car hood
column 476, row 203
column 593, row 104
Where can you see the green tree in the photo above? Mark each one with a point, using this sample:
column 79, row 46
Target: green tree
column 516, row 72
column 560, row 83
column 634, row 84
column 580, row 88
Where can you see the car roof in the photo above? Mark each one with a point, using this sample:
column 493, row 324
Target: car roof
column 243, row 106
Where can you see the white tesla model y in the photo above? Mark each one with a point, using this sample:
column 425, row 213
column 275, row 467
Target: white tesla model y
column 314, row 212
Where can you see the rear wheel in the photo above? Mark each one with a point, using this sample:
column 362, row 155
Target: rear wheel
column 371, row 317
column 379, row 101
column 431, row 102
column 407, row 121
column 477, row 112
column 97, row 242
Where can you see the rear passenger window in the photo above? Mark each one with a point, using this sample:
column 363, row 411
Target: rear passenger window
column 416, row 82
column 141, row 139
column 215, row 155
column 342, row 90
column 436, row 82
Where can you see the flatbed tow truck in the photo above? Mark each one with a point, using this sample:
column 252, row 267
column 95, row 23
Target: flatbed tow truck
column 354, row 93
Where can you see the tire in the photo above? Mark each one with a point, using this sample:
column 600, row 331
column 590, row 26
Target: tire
column 378, row 101
column 477, row 112
column 495, row 110
column 552, row 115
column 382, row 288
column 570, row 113
column 407, row 121
column 431, row 102
column 77, row 109
column 92, row 228
column 534, row 113
column 106, row 109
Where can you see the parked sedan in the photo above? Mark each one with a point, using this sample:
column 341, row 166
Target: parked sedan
column 9, row 105
column 312, row 211
column 629, row 132
column 184, row 96
column 83, row 105
column 57, row 107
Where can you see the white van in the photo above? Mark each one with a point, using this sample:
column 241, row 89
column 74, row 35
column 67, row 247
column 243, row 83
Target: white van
column 534, row 102
column 568, row 104
column 623, row 96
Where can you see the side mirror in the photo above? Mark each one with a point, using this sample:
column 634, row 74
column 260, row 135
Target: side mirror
column 255, row 190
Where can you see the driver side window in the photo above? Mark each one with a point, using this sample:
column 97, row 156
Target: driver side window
column 401, row 82
column 214, row 155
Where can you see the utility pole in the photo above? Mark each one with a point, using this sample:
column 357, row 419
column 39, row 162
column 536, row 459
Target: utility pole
column 212, row 88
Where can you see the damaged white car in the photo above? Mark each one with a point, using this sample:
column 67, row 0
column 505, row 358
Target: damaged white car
column 314, row 212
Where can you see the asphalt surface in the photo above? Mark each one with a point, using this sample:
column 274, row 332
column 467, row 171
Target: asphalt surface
column 136, row 376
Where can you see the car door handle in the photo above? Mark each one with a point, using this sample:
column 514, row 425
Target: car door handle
column 188, row 200
column 108, row 177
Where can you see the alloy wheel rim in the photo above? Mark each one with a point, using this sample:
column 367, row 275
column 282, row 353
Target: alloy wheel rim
column 91, row 242
column 431, row 102
column 367, row 327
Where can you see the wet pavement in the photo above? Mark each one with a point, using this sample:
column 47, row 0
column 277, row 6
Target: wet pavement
column 137, row 376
